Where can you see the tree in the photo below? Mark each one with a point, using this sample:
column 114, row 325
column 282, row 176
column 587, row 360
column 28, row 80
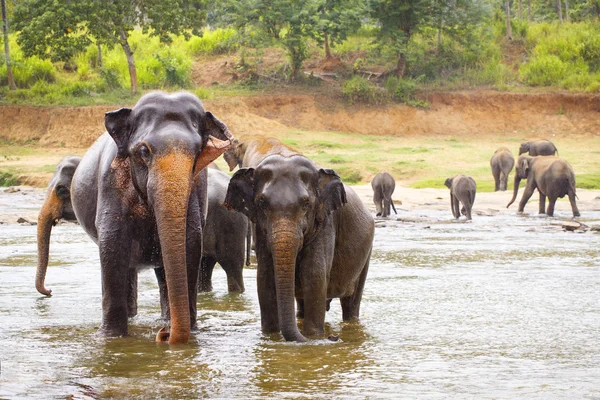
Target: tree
column 508, row 25
column 11, row 80
column 288, row 23
column 338, row 18
column 398, row 21
column 58, row 29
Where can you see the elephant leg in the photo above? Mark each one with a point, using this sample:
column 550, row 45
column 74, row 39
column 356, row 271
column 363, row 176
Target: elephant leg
column 299, row 308
column 193, row 259
column 455, row 207
column 206, row 269
column 386, row 208
column 267, row 296
column 115, row 258
column 529, row 189
column 551, row 203
column 573, row 204
column 133, row 292
column 496, row 173
column 351, row 304
column 542, row 209
column 234, row 269
column 164, row 294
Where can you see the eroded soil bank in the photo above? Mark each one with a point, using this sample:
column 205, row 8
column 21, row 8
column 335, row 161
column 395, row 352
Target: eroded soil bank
column 453, row 113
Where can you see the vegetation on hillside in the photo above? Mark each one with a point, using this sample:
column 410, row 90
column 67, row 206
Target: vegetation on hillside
column 382, row 50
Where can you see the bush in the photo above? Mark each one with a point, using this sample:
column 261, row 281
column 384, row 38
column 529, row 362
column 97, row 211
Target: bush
column 545, row 70
column 360, row 90
column 404, row 91
column 8, row 179
column 31, row 70
column 218, row 41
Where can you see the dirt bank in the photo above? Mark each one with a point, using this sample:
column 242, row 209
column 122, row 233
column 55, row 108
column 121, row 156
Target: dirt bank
column 454, row 113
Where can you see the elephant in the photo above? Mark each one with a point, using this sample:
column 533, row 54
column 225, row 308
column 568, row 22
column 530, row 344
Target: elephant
column 140, row 192
column 225, row 237
column 502, row 163
column 252, row 151
column 538, row 148
column 313, row 241
column 57, row 206
column 553, row 177
column 462, row 189
column 383, row 185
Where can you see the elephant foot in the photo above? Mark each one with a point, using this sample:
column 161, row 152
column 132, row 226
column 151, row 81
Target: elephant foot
column 333, row 338
column 111, row 333
column 574, row 215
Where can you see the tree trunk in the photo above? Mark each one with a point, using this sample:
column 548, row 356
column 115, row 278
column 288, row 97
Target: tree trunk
column 327, row 49
column 401, row 66
column 529, row 10
column 567, row 11
column 559, row 9
column 508, row 26
column 130, row 62
column 520, row 9
column 11, row 80
column 99, row 56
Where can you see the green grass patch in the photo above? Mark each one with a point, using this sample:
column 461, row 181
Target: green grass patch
column 8, row 179
column 588, row 181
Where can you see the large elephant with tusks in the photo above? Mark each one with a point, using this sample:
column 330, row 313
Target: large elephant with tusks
column 140, row 192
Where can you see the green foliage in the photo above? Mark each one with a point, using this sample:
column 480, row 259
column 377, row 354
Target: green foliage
column 349, row 175
column 218, row 41
column 8, row 179
column 404, row 91
column 359, row 90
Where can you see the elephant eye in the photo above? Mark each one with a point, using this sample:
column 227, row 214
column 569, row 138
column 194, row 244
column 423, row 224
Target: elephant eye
column 262, row 204
column 143, row 153
column 305, row 203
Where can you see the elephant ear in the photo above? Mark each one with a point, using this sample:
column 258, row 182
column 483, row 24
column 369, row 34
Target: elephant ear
column 218, row 139
column 332, row 194
column 240, row 193
column 448, row 183
column 525, row 167
column 118, row 126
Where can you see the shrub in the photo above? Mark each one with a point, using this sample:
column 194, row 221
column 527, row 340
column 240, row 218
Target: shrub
column 218, row 41
column 8, row 179
column 360, row 90
column 545, row 70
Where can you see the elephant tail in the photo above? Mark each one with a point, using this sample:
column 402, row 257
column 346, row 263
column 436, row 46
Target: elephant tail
column 393, row 206
column 248, row 242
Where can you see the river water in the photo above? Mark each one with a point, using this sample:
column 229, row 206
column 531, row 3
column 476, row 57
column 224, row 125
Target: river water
column 507, row 306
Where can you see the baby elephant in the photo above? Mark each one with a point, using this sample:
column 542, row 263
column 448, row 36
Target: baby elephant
column 462, row 188
column 383, row 185
column 502, row 163
column 225, row 235
column 57, row 206
column 538, row 148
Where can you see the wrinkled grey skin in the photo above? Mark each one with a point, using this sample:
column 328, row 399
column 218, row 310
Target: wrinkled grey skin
column 538, row 148
column 553, row 177
column 140, row 193
column 462, row 189
column 383, row 185
column 313, row 242
column 225, row 235
column 57, row 206
column 502, row 163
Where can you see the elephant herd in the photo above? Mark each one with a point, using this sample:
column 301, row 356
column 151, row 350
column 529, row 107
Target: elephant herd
column 147, row 193
column 552, row 176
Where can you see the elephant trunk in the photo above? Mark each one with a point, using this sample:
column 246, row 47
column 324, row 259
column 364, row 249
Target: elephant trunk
column 50, row 212
column 285, row 249
column 173, row 174
column 515, row 190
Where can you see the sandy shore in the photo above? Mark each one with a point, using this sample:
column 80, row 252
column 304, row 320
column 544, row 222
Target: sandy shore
column 25, row 202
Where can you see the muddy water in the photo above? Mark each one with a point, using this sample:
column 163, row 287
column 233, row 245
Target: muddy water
column 503, row 307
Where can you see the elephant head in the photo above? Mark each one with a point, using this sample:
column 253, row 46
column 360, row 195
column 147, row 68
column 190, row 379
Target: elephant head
column 234, row 156
column 448, row 183
column 56, row 206
column 521, row 172
column 290, row 200
column 163, row 144
column 524, row 147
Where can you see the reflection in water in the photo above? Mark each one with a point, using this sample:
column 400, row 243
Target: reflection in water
column 505, row 306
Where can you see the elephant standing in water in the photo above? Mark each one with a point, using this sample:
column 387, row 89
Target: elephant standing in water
column 462, row 189
column 225, row 235
column 140, row 192
column 383, row 185
column 502, row 163
column 553, row 177
column 538, row 148
column 313, row 241
column 57, row 206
